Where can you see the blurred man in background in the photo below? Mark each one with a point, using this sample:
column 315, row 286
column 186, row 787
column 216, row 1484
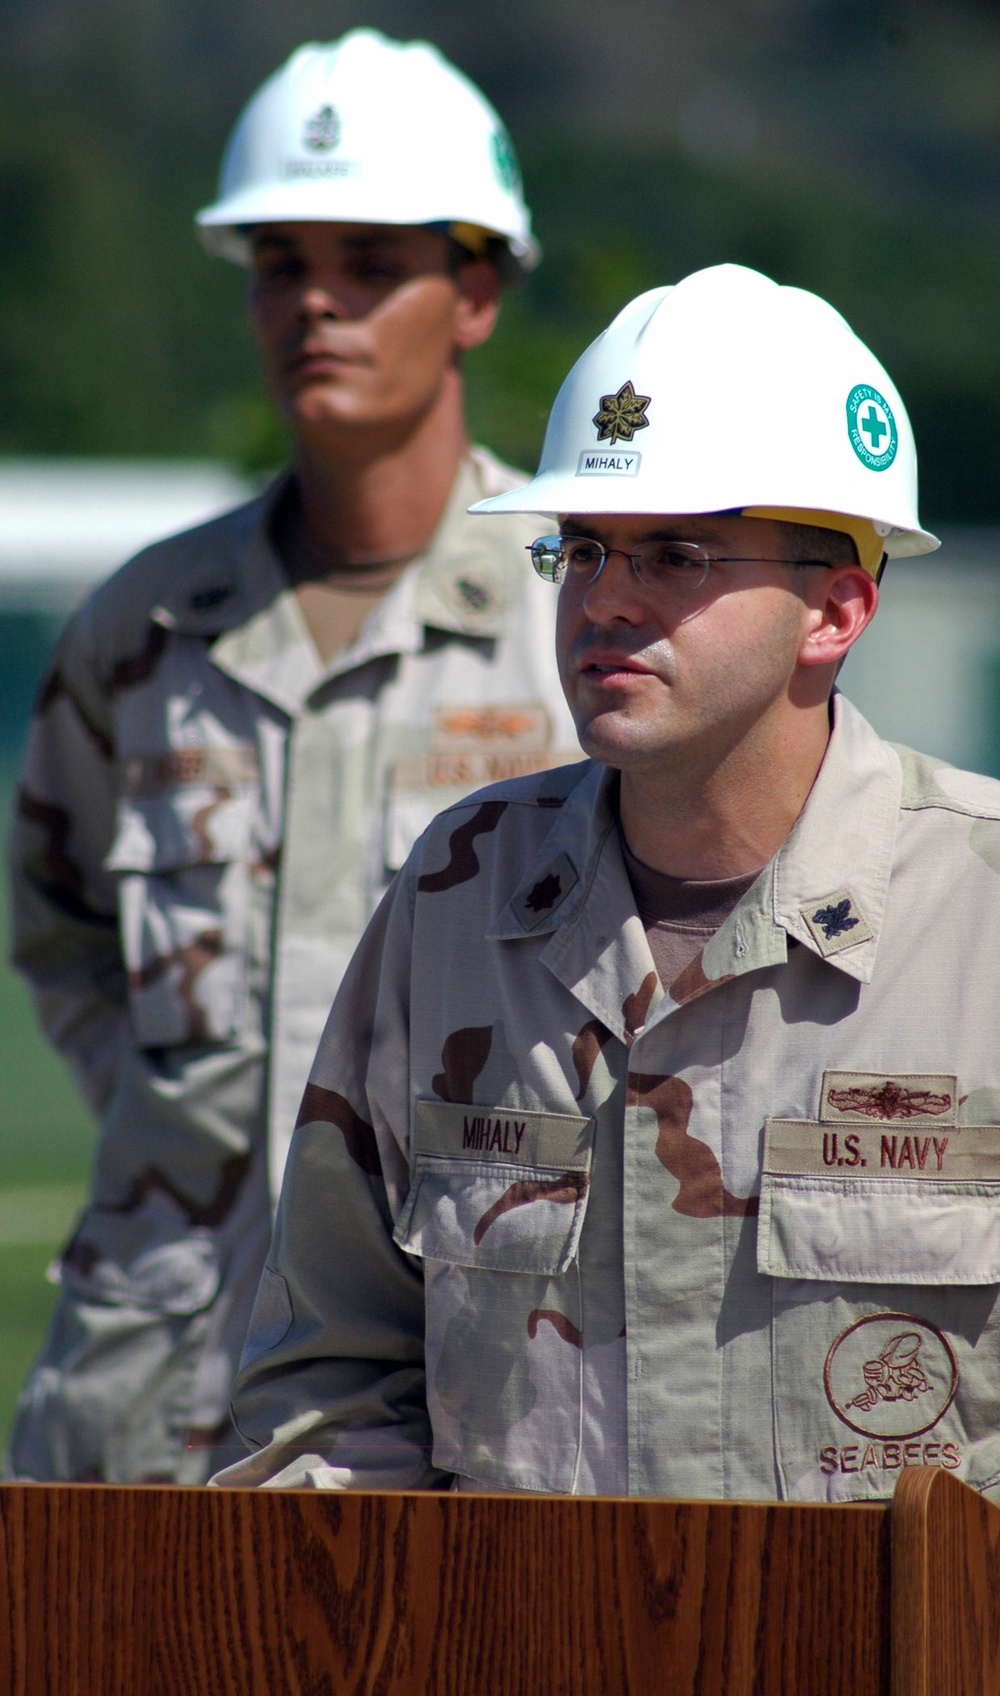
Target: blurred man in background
column 244, row 730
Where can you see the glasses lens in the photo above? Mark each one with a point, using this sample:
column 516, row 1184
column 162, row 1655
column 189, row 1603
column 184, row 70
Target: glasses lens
column 547, row 558
column 672, row 564
column 582, row 558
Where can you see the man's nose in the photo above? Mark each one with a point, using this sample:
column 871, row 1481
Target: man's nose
column 616, row 591
column 323, row 300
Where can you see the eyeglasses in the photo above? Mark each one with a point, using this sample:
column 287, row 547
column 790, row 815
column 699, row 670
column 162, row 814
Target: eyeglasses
column 660, row 565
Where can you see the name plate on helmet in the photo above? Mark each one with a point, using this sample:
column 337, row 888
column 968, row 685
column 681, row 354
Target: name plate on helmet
column 595, row 463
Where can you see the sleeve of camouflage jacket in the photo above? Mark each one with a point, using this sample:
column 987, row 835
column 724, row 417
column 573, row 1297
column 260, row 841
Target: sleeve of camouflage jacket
column 331, row 1390
column 63, row 903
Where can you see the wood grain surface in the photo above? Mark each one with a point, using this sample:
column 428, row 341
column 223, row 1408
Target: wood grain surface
column 166, row 1592
column 945, row 1588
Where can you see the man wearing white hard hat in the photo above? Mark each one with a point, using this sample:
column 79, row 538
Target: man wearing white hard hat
column 653, row 1142
column 246, row 728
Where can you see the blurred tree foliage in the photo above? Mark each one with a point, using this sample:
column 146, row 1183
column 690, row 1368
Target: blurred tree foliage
column 925, row 298
column 119, row 336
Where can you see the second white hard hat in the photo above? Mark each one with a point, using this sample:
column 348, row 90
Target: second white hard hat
column 368, row 130
column 731, row 393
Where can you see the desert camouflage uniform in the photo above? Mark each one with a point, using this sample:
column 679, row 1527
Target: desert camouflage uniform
column 208, row 817
column 739, row 1237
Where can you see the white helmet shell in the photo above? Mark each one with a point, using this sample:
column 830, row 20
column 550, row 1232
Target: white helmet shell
column 368, row 130
column 723, row 393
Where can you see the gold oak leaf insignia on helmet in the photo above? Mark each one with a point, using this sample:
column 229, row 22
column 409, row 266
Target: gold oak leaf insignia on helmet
column 621, row 415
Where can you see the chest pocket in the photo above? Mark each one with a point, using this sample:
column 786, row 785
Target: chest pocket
column 883, row 1204
column 497, row 1188
column 182, row 859
column 470, row 745
column 882, row 1241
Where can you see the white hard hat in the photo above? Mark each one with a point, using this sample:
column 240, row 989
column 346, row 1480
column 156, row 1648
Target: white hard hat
column 368, row 130
column 730, row 393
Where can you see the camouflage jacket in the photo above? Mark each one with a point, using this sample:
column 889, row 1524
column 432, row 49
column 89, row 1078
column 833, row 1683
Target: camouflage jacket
column 208, row 816
column 548, row 1225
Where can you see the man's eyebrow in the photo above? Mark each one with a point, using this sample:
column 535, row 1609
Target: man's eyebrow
column 263, row 239
column 572, row 526
column 374, row 238
column 267, row 238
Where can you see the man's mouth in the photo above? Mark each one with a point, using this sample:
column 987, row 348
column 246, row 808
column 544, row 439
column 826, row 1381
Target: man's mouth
column 612, row 664
column 320, row 356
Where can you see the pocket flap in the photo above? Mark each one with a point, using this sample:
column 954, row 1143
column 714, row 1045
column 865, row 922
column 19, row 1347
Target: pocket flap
column 874, row 1204
column 498, row 1188
column 188, row 826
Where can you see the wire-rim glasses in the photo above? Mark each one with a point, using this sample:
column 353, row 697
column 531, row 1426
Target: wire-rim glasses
column 665, row 564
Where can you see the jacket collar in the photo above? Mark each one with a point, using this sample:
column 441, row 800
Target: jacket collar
column 237, row 596
column 826, row 887
column 828, row 884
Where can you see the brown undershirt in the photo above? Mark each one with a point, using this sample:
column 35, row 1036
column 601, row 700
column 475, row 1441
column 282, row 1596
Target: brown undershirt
column 679, row 914
column 334, row 596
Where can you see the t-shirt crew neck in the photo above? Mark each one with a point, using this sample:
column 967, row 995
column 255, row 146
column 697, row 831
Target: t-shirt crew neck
column 679, row 914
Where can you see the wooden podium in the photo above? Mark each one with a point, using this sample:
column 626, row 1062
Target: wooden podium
column 111, row 1591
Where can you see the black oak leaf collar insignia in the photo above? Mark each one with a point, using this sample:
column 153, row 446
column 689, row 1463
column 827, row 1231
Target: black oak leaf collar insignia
column 538, row 899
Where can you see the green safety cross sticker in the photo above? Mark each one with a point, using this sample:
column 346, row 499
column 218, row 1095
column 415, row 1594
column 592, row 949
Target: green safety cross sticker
column 505, row 161
column 871, row 427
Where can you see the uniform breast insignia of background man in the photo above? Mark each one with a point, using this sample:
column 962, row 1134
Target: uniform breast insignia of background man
column 245, row 729
column 684, row 1180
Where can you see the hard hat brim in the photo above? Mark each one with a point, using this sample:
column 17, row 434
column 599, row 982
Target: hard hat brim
column 551, row 495
column 223, row 228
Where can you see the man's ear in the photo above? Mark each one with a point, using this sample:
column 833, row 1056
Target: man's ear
column 478, row 302
column 841, row 600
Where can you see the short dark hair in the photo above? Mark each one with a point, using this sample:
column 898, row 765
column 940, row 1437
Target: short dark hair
column 810, row 541
column 496, row 251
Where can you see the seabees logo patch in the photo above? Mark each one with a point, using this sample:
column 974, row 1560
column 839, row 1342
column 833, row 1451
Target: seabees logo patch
column 891, row 1375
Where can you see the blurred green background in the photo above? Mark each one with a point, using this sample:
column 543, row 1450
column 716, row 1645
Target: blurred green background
column 46, row 1134
column 846, row 147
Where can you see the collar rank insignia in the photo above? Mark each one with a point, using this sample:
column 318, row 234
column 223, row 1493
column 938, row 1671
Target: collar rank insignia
column 476, row 596
column 621, row 415
column 543, row 895
column 540, row 898
column 836, row 922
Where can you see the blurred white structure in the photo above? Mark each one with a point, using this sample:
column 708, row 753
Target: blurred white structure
column 65, row 523
column 927, row 670
column 926, row 673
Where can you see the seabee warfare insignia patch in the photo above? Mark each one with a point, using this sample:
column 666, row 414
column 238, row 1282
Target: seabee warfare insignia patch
column 871, row 427
column 891, row 1375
